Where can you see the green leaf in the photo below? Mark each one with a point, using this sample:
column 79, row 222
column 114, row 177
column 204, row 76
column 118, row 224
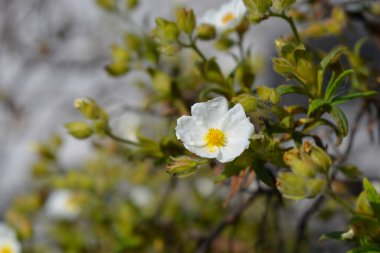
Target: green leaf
column 340, row 118
column 365, row 249
column 334, row 86
column 317, row 104
column 325, row 62
column 336, row 235
column 290, row 89
column 263, row 173
column 345, row 98
column 373, row 197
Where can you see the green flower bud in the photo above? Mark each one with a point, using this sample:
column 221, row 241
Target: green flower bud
column 108, row 5
column 298, row 187
column 131, row 4
column 88, row 108
column 299, row 163
column 224, row 43
column 318, row 156
column 100, row 126
column 184, row 166
column 132, row 42
column 185, row 20
column 119, row 54
column 206, row 32
column 248, row 102
column 79, row 130
column 268, row 94
column 165, row 31
column 162, row 83
column 117, row 68
column 363, row 206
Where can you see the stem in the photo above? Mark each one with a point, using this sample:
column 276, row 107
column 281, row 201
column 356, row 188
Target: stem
column 116, row 138
column 193, row 46
column 290, row 22
column 340, row 202
column 336, row 198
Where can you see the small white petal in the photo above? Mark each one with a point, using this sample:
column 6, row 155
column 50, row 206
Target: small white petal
column 211, row 112
column 235, row 121
column 202, row 151
column 6, row 231
column 231, row 151
column 191, row 131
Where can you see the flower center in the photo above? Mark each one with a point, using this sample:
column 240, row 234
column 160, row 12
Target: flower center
column 6, row 249
column 70, row 204
column 215, row 138
column 228, row 17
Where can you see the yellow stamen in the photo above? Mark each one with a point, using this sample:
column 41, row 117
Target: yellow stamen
column 70, row 204
column 6, row 249
column 215, row 139
column 228, row 17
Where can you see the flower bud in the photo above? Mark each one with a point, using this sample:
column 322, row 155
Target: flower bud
column 248, row 102
column 318, row 156
column 79, row 130
column 131, row 4
column 165, row 31
column 298, row 187
column 206, row 32
column 183, row 166
column 299, row 163
column 88, row 108
column 268, row 94
column 185, row 20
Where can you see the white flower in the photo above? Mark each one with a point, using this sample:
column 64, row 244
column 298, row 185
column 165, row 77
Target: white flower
column 213, row 131
column 62, row 204
column 228, row 16
column 8, row 240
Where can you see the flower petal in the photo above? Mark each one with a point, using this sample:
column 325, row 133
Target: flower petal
column 191, row 131
column 211, row 113
column 232, row 150
column 236, row 124
column 201, row 151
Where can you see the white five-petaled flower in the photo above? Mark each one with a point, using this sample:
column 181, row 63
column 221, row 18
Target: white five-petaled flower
column 8, row 240
column 62, row 204
column 228, row 16
column 213, row 131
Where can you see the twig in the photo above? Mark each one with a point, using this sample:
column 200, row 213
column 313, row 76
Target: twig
column 207, row 241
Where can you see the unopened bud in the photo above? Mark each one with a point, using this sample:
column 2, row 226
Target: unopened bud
column 185, row 20
column 248, row 102
column 318, row 156
column 298, row 187
column 165, row 31
column 88, row 108
column 79, row 130
column 299, row 163
column 183, row 166
column 206, row 32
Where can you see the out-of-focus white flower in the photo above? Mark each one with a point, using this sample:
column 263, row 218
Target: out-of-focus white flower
column 204, row 186
column 8, row 240
column 228, row 16
column 213, row 131
column 62, row 204
column 140, row 196
column 6, row 231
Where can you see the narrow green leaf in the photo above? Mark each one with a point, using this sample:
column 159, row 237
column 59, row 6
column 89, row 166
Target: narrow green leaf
column 373, row 197
column 325, row 62
column 348, row 97
column 340, row 118
column 290, row 89
column 336, row 235
column 317, row 104
column 334, row 86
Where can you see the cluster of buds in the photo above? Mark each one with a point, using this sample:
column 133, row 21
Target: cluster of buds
column 91, row 111
column 307, row 165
